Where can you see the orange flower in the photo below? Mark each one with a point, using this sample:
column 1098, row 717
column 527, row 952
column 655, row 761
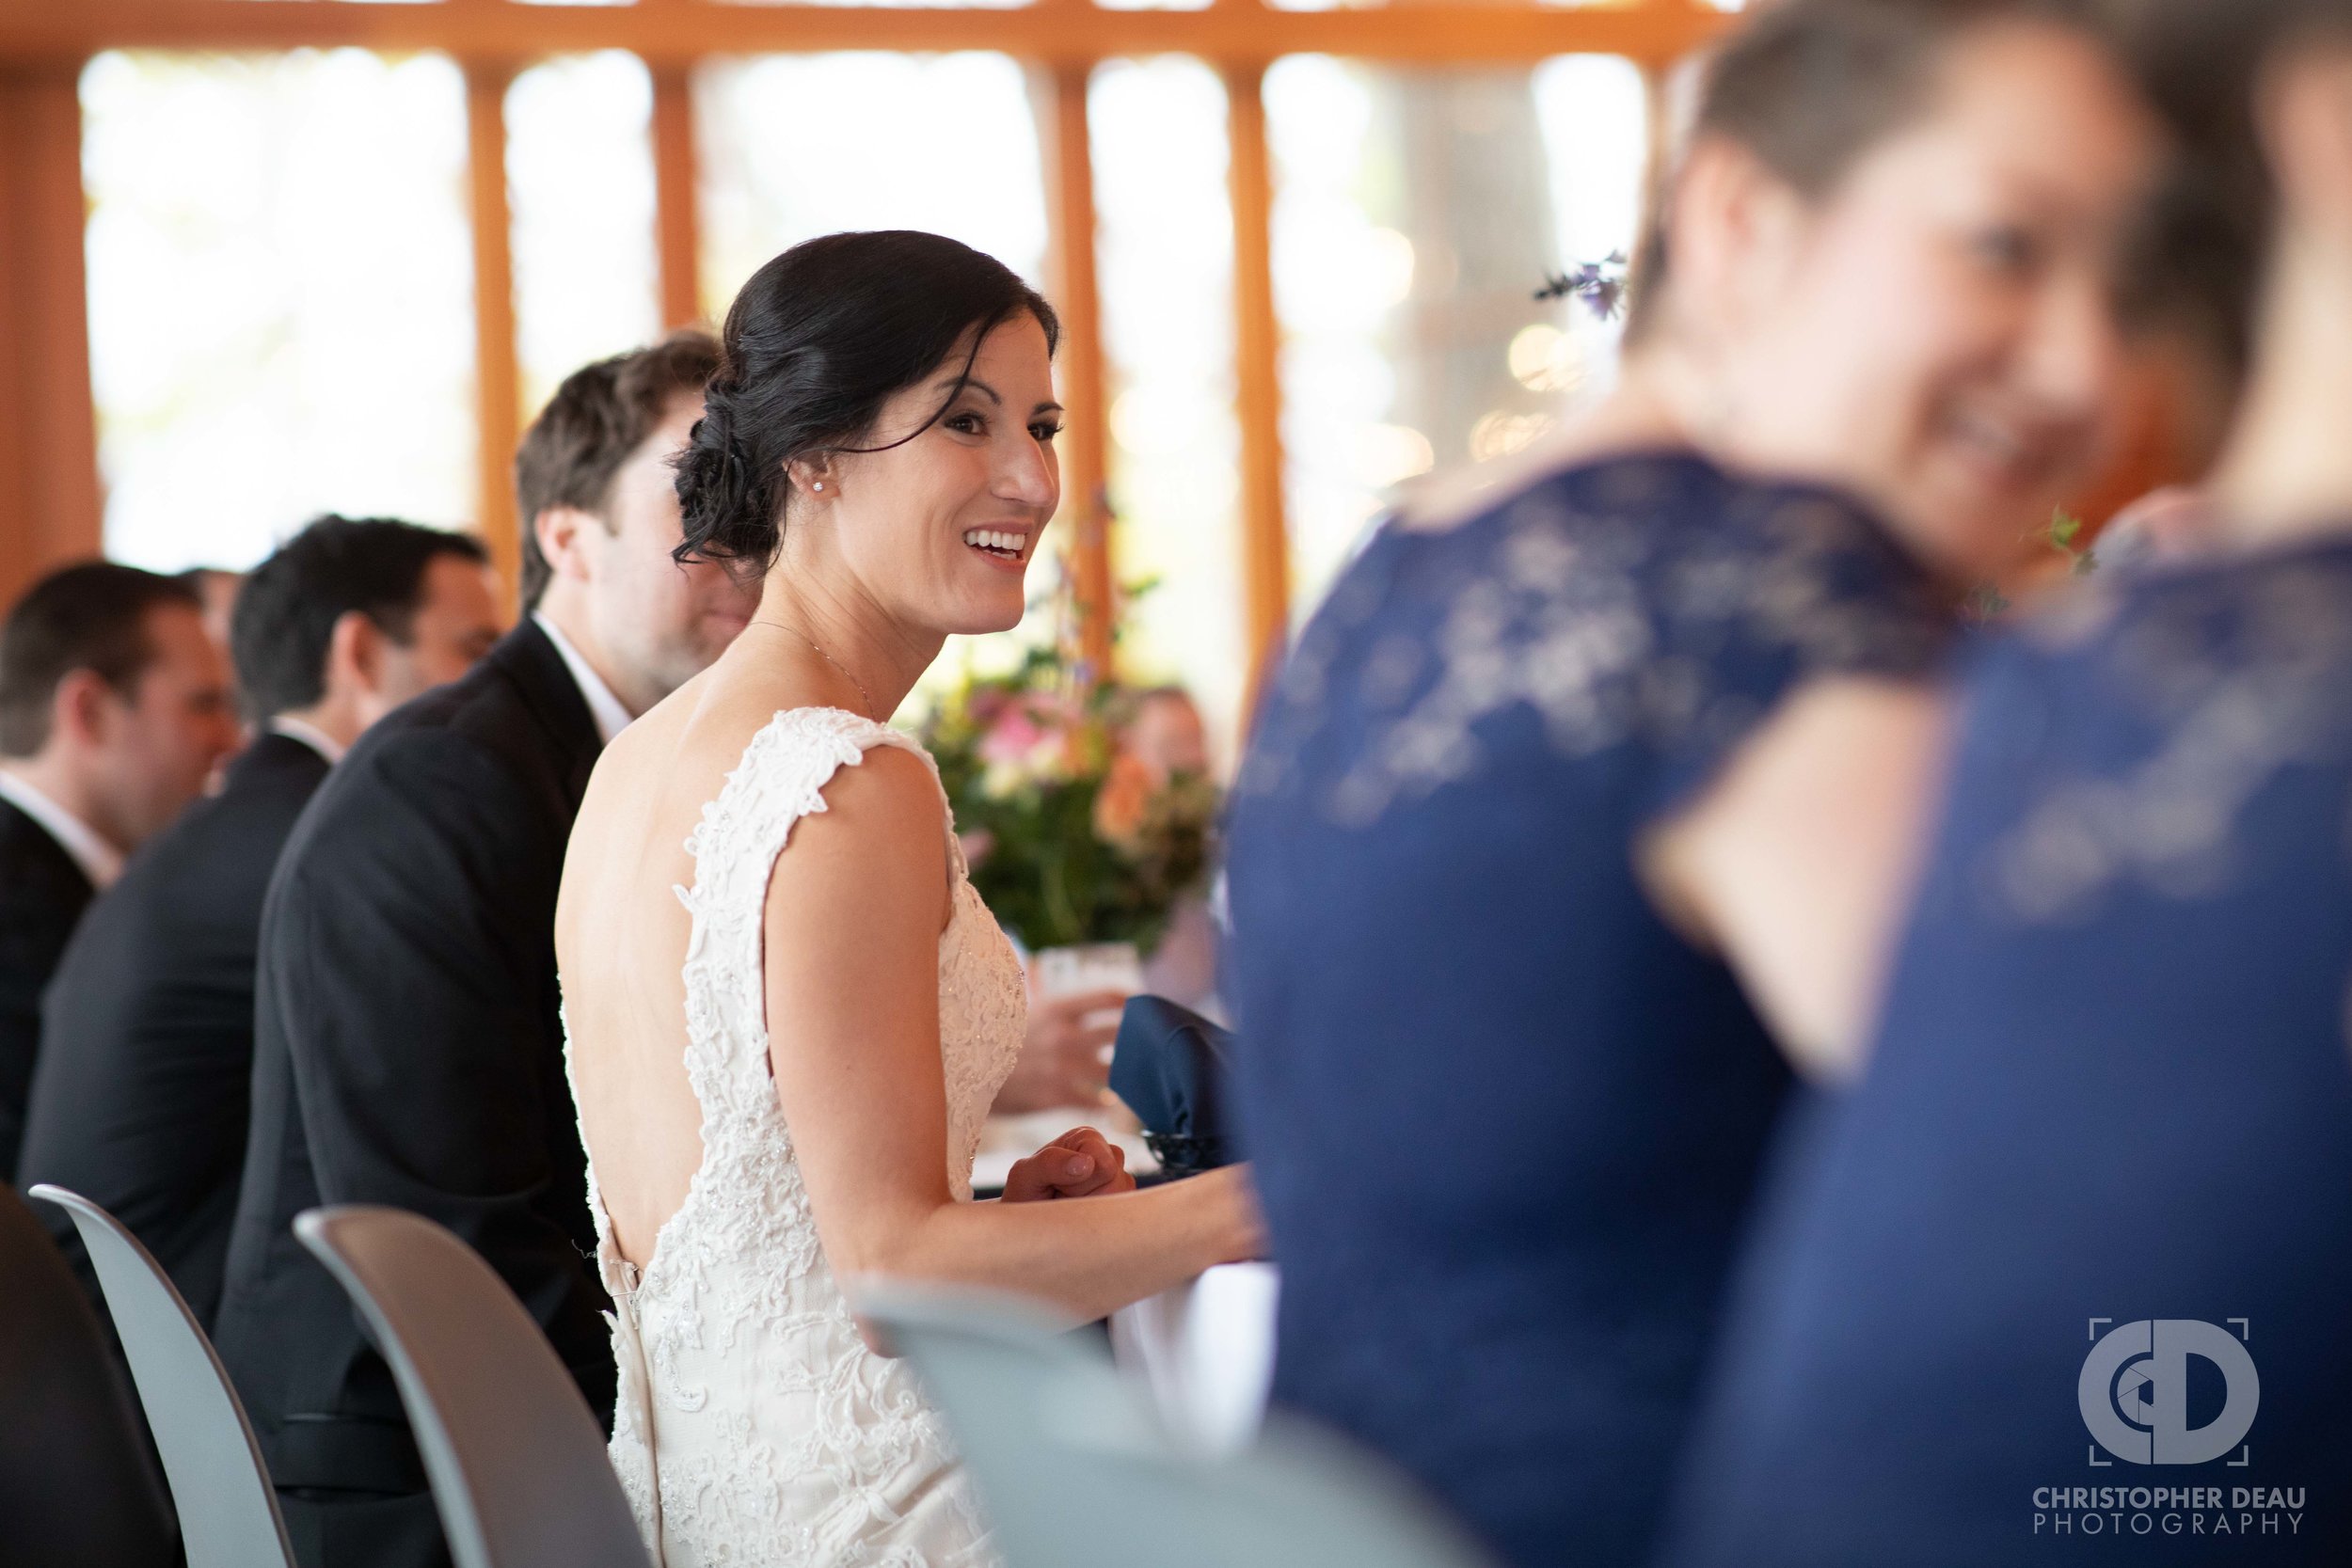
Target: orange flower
column 1125, row 801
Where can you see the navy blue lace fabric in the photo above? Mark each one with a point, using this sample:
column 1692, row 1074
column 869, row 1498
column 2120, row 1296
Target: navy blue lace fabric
column 1506, row 1121
column 2112, row 1087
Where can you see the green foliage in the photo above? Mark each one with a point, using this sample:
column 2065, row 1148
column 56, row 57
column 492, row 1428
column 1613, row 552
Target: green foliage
column 1986, row 603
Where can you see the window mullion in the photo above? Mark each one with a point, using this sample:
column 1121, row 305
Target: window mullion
column 1257, row 342
column 1085, row 442
column 497, row 389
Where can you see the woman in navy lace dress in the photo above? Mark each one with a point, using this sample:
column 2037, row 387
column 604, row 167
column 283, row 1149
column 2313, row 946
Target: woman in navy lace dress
column 2076, row 1262
column 1524, row 808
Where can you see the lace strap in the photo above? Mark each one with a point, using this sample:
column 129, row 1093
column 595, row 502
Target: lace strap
column 780, row 780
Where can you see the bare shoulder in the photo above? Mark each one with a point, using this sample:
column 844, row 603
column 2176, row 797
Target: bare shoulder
column 878, row 849
column 1825, row 809
column 889, row 798
column 1838, row 745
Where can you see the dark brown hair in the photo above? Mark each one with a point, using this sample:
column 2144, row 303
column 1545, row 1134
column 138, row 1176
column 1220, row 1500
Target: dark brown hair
column 2205, row 252
column 285, row 618
column 602, row 413
column 91, row 617
column 815, row 345
column 1811, row 86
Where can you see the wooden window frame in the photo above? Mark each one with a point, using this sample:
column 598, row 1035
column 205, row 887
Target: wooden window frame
column 48, row 485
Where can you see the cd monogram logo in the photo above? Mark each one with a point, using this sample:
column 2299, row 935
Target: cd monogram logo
column 2133, row 1391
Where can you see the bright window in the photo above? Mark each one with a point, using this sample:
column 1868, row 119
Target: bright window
column 1165, row 265
column 280, row 296
column 1417, row 213
column 795, row 146
column 580, row 188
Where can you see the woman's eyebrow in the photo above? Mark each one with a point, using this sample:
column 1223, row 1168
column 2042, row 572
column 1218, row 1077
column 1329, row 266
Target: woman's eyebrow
column 957, row 383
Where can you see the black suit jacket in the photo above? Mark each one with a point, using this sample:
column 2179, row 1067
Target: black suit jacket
column 43, row 894
column 140, row 1100
column 407, row 1052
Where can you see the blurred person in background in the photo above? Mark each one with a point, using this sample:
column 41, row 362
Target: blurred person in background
column 1542, row 850
column 1168, row 735
column 218, row 588
column 1065, row 1053
column 1165, row 731
column 409, row 1044
column 141, row 1096
column 2072, row 1261
column 115, row 706
column 1065, row 1048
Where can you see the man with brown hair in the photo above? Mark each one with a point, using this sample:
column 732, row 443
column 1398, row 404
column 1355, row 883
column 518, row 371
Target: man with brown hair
column 141, row 1101
column 407, row 1047
column 114, row 709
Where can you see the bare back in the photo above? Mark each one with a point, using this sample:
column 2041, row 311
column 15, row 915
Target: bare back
column 762, row 992
column 621, row 936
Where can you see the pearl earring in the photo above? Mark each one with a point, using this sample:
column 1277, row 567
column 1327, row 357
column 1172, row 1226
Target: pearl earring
column 818, row 485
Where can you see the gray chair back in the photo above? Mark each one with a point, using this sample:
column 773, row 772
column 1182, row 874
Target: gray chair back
column 1074, row 1469
column 516, row 1459
column 228, row 1511
column 76, row 1485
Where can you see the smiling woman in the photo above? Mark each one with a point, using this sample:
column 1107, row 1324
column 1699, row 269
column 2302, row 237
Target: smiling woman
column 801, row 382
column 782, row 1080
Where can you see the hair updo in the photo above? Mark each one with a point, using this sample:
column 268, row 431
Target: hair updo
column 815, row 345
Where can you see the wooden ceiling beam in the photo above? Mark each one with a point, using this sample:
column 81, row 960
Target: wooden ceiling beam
column 679, row 31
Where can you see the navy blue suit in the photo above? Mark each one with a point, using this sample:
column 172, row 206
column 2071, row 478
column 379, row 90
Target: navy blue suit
column 44, row 892
column 408, row 1050
column 141, row 1096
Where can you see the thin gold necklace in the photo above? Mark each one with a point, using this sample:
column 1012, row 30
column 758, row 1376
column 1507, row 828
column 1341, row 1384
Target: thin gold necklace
column 868, row 697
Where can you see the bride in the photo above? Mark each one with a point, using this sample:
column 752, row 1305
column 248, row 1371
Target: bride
column 789, row 1009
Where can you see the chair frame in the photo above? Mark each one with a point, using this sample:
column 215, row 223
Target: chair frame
column 220, row 1483
column 486, row 1525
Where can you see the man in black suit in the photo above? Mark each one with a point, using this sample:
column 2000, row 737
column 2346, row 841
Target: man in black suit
column 407, row 1046
column 114, row 709
column 140, row 1100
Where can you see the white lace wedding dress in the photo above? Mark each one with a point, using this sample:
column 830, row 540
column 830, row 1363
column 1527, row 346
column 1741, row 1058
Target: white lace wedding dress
column 754, row 1426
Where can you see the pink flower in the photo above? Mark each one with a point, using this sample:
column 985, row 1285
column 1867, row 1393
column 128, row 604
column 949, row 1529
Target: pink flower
column 1012, row 737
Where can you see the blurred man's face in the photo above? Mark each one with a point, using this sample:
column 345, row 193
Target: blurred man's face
column 219, row 589
column 456, row 620
column 661, row 622
column 1169, row 735
column 159, row 742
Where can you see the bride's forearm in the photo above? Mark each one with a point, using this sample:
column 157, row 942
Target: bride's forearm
column 1087, row 1256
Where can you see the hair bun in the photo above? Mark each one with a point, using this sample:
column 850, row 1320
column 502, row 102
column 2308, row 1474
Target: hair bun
column 727, row 504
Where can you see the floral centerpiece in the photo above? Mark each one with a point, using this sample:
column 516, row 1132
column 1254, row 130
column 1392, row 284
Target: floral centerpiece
column 1072, row 839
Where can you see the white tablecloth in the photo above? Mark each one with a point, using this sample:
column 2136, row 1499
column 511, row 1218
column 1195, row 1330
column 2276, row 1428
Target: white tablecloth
column 1206, row 1349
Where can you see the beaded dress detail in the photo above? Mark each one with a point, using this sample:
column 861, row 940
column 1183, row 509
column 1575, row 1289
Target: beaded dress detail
column 754, row 1426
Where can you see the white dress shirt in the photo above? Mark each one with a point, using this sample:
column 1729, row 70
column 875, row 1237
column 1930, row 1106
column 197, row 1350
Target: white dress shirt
column 611, row 717
column 310, row 735
column 100, row 861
